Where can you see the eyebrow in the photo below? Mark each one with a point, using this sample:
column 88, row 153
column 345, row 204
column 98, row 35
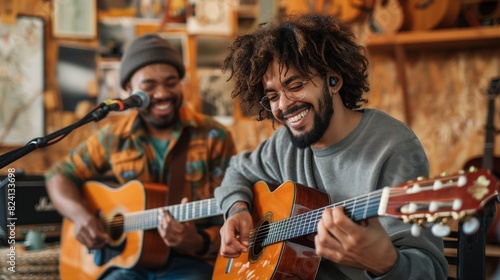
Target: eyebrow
column 285, row 82
column 152, row 80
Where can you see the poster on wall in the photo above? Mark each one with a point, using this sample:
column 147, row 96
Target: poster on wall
column 211, row 17
column 215, row 92
column 75, row 19
column 180, row 43
column 21, row 81
column 109, row 81
column 76, row 75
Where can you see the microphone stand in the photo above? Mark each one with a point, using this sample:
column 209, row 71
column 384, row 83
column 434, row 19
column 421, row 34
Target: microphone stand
column 95, row 115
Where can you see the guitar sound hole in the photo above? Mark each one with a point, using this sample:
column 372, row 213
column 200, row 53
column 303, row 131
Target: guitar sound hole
column 115, row 229
column 259, row 238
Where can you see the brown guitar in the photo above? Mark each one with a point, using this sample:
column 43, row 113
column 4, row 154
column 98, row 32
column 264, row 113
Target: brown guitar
column 481, row 12
column 347, row 10
column 489, row 161
column 430, row 14
column 387, row 17
column 130, row 218
column 282, row 244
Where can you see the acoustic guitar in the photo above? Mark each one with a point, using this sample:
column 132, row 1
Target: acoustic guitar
column 430, row 14
column 481, row 12
column 282, row 244
column 488, row 160
column 345, row 10
column 387, row 17
column 129, row 216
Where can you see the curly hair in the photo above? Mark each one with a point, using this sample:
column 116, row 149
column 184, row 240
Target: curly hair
column 307, row 41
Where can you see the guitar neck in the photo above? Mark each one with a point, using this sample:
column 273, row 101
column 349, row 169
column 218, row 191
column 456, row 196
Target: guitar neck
column 489, row 144
column 358, row 208
column 148, row 219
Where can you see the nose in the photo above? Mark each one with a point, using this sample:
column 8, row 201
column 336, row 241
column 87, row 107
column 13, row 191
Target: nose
column 284, row 102
column 161, row 92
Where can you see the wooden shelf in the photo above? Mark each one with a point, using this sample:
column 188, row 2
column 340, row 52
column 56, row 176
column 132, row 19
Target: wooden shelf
column 461, row 38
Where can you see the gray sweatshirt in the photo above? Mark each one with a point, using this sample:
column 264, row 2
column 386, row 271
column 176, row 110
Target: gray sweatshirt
column 381, row 151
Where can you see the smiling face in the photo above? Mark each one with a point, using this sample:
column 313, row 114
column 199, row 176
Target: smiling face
column 163, row 85
column 308, row 119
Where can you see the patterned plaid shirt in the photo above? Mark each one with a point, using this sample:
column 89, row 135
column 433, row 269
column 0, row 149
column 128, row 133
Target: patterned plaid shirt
column 124, row 150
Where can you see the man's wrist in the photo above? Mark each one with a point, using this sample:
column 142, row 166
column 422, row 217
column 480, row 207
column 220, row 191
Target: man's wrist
column 206, row 242
column 238, row 207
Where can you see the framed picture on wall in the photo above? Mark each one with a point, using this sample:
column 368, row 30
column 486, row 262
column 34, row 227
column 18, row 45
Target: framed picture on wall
column 75, row 19
column 179, row 42
column 22, row 81
column 211, row 17
column 76, row 75
column 215, row 92
column 109, row 80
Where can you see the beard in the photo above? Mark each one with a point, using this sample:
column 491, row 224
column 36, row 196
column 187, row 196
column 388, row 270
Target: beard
column 162, row 122
column 321, row 122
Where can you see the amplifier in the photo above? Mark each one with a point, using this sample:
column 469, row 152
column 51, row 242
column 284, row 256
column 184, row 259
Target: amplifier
column 33, row 209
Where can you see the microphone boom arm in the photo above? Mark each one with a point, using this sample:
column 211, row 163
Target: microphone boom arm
column 95, row 115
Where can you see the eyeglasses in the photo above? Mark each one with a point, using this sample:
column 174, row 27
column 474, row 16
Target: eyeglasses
column 292, row 91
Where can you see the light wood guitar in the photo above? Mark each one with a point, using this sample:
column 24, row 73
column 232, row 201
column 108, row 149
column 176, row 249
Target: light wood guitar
column 282, row 244
column 430, row 14
column 130, row 218
column 346, row 10
column 387, row 17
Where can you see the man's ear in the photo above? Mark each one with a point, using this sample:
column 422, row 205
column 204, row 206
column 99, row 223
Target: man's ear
column 128, row 88
column 335, row 81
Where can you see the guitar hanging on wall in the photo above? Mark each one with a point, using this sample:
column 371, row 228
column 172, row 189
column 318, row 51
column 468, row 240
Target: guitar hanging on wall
column 488, row 160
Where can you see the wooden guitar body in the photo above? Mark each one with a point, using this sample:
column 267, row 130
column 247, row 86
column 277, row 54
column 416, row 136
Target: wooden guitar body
column 136, row 248
column 387, row 17
column 429, row 14
column 292, row 259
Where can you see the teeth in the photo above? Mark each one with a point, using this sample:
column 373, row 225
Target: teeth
column 298, row 117
column 162, row 107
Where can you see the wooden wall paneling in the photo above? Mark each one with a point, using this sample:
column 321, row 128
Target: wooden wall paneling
column 447, row 93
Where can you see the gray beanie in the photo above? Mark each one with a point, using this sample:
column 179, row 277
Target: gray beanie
column 148, row 49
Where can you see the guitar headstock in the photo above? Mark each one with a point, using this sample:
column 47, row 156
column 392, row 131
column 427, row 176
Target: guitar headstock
column 441, row 199
column 494, row 88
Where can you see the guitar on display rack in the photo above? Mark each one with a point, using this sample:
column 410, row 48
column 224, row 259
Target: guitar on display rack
column 129, row 215
column 282, row 243
column 386, row 17
column 488, row 160
column 430, row 14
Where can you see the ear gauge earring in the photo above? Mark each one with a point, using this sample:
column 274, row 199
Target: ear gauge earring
column 333, row 81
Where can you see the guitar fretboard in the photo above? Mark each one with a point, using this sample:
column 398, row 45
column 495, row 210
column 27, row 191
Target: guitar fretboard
column 357, row 209
column 182, row 212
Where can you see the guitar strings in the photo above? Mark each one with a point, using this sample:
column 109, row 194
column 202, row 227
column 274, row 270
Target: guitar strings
column 362, row 206
column 276, row 231
column 149, row 218
column 308, row 219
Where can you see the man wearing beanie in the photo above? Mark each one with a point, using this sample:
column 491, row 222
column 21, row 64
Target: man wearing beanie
column 146, row 145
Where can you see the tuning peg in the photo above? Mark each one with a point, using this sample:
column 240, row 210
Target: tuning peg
column 471, row 225
column 416, row 229
column 462, row 181
column 457, row 204
column 437, row 185
column 472, row 169
column 440, row 230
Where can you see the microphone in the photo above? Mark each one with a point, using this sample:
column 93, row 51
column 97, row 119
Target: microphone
column 138, row 99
